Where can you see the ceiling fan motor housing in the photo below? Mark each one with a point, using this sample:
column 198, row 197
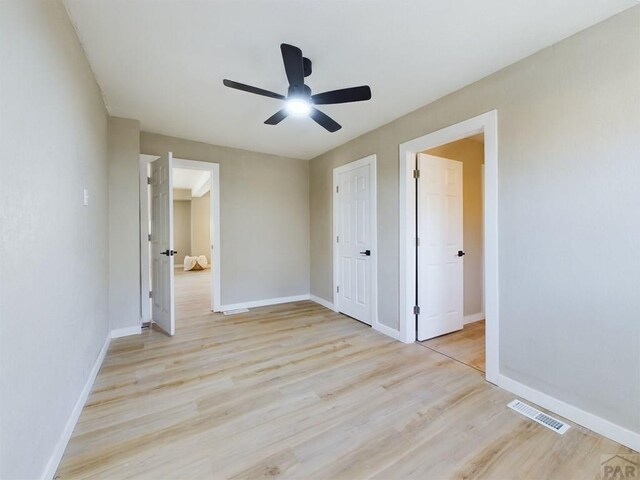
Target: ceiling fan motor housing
column 300, row 91
column 306, row 66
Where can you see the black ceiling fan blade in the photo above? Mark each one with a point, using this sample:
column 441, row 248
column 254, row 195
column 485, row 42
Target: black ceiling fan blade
column 324, row 120
column 293, row 64
column 344, row 95
column 250, row 89
column 277, row 117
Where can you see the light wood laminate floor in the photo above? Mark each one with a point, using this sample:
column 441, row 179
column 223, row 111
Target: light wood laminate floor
column 298, row 391
column 466, row 345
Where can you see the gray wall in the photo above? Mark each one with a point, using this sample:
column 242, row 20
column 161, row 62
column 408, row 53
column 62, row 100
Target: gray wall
column 54, row 250
column 181, row 230
column 124, row 223
column 569, row 171
column 264, row 218
column 200, row 226
column 471, row 154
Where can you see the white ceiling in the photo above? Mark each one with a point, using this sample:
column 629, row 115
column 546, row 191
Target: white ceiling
column 195, row 180
column 162, row 62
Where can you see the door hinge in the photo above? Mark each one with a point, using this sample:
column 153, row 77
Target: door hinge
column 416, row 173
column 417, row 241
column 148, row 180
column 416, row 310
column 338, row 239
column 338, row 289
column 150, row 294
column 149, row 237
column 337, row 189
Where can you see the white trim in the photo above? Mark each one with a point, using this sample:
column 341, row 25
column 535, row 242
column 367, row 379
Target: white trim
column 487, row 123
column 588, row 420
column 391, row 332
column 323, row 302
column 145, row 268
column 216, row 268
column 61, row 445
column 125, row 332
column 370, row 160
column 475, row 317
column 264, row 303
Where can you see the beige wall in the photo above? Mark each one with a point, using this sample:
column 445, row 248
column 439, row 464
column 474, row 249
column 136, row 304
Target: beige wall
column 124, row 223
column 471, row 154
column 181, row 230
column 54, row 250
column 264, row 218
column 200, row 226
column 568, row 123
column 182, row 194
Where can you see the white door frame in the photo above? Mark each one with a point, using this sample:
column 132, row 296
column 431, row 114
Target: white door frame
column 371, row 161
column 214, row 225
column 486, row 123
column 145, row 254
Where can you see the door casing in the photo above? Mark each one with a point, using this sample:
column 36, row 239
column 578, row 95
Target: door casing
column 486, row 123
column 216, row 282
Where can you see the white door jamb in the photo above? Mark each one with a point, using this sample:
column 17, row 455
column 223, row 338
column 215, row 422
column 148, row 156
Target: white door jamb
column 214, row 168
column 145, row 267
column 487, row 123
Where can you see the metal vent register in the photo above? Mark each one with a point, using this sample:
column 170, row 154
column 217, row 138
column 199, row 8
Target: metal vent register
column 537, row 416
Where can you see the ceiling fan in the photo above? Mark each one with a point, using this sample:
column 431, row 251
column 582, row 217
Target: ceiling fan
column 299, row 101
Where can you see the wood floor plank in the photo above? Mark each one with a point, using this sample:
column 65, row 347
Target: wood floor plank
column 466, row 345
column 298, row 391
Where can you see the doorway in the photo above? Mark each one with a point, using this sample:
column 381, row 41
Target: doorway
column 180, row 212
column 410, row 310
column 192, row 239
column 355, row 240
column 450, row 252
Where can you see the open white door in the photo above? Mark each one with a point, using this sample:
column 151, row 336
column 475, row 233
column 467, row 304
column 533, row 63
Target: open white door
column 162, row 309
column 354, row 239
column 440, row 251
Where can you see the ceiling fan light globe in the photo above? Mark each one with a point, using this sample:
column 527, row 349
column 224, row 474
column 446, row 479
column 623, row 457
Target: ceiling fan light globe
column 298, row 107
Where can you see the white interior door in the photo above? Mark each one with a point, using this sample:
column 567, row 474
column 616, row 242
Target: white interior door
column 162, row 253
column 354, row 242
column 440, row 250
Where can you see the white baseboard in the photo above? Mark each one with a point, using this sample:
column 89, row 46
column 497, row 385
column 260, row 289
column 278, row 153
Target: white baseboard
column 264, row 303
column 588, row 420
column 395, row 334
column 323, row 302
column 61, row 445
column 391, row 332
column 475, row 317
column 125, row 332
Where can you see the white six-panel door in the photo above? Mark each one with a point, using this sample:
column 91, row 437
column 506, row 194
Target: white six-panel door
column 440, row 265
column 354, row 241
column 162, row 305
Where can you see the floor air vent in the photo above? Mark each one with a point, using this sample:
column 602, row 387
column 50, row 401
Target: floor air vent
column 537, row 416
column 237, row 310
